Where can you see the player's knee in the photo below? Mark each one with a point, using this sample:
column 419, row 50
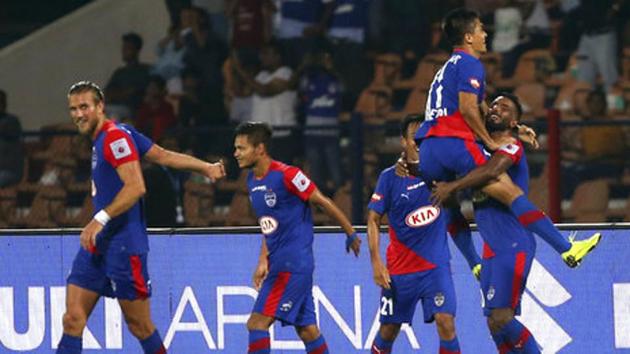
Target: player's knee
column 445, row 326
column 258, row 322
column 507, row 191
column 74, row 321
column 140, row 328
column 499, row 318
column 307, row 333
column 389, row 331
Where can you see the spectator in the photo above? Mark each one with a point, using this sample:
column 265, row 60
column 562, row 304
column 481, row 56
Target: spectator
column 155, row 115
column 507, row 26
column 321, row 90
column 302, row 23
column 170, row 62
column 12, row 161
column 250, row 22
column 597, row 50
column 274, row 98
column 132, row 78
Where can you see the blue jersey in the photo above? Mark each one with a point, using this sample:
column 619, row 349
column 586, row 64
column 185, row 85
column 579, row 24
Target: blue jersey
column 417, row 229
column 350, row 14
column 308, row 11
column 461, row 73
column 321, row 92
column 499, row 227
column 280, row 200
column 116, row 144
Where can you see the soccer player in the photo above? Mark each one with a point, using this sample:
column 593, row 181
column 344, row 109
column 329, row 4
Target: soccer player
column 508, row 247
column 112, row 260
column 447, row 140
column 418, row 259
column 280, row 195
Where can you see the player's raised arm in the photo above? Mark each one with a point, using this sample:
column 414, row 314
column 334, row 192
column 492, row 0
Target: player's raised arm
column 380, row 272
column 168, row 158
column 326, row 204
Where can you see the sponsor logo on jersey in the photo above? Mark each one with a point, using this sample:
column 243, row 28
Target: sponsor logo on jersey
column 120, row 148
column 323, row 102
column 376, row 197
column 301, row 182
column 422, row 216
column 415, row 186
column 438, row 299
column 262, row 188
column 475, row 83
column 268, row 225
column 270, row 198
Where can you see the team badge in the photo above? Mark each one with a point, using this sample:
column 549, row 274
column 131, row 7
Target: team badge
column 270, row 198
column 286, row 307
column 439, row 299
column 490, row 294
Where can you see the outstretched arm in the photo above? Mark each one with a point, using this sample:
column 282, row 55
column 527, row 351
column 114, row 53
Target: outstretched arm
column 334, row 212
column 176, row 160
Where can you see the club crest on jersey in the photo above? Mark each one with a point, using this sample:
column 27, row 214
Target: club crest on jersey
column 286, row 307
column 301, row 182
column 268, row 225
column 475, row 83
column 490, row 294
column 422, row 216
column 270, row 198
column 438, row 299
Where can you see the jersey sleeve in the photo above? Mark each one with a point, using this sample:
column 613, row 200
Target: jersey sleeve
column 142, row 142
column 298, row 183
column 379, row 202
column 471, row 77
column 118, row 148
column 513, row 151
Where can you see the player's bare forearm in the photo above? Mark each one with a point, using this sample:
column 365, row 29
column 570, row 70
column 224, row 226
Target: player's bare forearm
column 491, row 170
column 374, row 235
column 132, row 190
column 471, row 112
column 180, row 161
column 327, row 205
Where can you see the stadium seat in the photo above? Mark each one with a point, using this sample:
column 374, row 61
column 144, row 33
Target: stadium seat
column 375, row 103
column 532, row 96
column 571, row 98
column 532, row 66
column 416, row 101
column 387, row 68
column 425, row 71
column 590, row 201
column 198, row 203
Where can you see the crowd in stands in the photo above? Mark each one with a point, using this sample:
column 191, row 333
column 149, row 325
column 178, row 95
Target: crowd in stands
column 306, row 67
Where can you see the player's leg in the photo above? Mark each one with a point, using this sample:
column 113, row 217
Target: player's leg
column 509, row 334
column 138, row 317
column 384, row 340
column 79, row 305
column 533, row 219
column 445, row 323
column 459, row 230
column 313, row 339
column 258, row 328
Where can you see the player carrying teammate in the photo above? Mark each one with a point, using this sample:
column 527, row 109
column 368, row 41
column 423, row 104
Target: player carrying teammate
column 112, row 260
column 280, row 195
column 418, row 258
column 447, row 140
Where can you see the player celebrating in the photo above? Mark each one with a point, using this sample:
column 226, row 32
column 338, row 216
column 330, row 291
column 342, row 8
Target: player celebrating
column 284, row 276
column 418, row 259
column 509, row 248
column 453, row 122
column 112, row 260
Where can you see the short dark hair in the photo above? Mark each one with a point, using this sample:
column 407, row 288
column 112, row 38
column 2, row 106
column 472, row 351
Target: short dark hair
column 457, row 23
column 134, row 39
column 407, row 121
column 517, row 103
column 85, row 86
column 257, row 133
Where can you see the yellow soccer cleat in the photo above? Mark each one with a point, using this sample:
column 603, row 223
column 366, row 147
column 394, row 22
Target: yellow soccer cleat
column 579, row 249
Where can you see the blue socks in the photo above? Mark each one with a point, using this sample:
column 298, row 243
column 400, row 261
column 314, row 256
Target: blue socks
column 460, row 233
column 537, row 222
column 153, row 344
column 381, row 346
column 259, row 342
column 318, row 346
column 70, row 345
column 515, row 338
column 449, row 346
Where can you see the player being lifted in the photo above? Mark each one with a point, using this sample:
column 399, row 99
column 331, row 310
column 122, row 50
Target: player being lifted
column 112, row 260
column 418, row 258
column 280, row 195
column 447, row 139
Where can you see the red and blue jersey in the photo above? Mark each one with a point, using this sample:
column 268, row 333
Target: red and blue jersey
column 461, row 73
column 499, row 227
column 280, row 201
column 417, row 229
column 115, row 145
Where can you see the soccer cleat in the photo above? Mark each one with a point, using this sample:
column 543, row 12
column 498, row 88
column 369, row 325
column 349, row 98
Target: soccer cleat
column 579, row 249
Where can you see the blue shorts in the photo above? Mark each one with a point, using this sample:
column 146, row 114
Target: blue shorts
column 444, row 158
column 434, row 287
column 503, row 279
column 287, row 297
column 116, row 274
